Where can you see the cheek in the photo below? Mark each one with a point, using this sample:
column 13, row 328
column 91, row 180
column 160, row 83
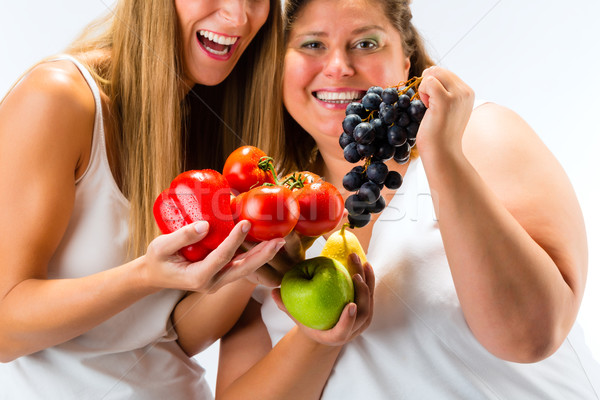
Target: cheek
column 385, row 73
column 296, row 77
column 259, row 16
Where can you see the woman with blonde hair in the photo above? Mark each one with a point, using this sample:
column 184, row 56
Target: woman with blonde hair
column 479, row 257
column 92, row 303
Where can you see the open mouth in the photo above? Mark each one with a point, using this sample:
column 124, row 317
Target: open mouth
column 339, row 97
column 216, row 44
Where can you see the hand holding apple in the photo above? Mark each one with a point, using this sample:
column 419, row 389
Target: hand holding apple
column 316, row 291
column 355, row 317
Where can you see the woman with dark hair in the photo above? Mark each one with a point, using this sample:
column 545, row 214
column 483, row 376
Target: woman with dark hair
column 92, row 303
column 480, row 256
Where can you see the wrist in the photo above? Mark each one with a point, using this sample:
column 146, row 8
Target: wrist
column 141, row 279
column 312, row 346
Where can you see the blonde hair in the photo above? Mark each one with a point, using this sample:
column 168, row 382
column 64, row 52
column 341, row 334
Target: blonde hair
column 158, row 134
column 297, row 150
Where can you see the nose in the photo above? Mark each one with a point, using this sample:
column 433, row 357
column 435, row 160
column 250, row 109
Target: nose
column 234, row 11
column 338, row 65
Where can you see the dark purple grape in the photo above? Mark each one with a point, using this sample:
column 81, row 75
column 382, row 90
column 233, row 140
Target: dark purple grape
column 377, row 172
column 351, row 153
column 358, row 221
column 345, row 140
column 393, row 180
column 369, row 192
column 396, row 135
column 350, row 122
column 402, row 154
column 377, row 207
column 389, row 95
column 359, row 168
column 384, row 152
column 375, row 89
column 412, row 129
column 416, row 110
column 403, row 101
column 410, row 93
column 352, row 181
column 371, row 101
column 411, row 141
column 387, row 113
column 379, row 128
column 356, row 108
column 403, row 119
column 365, row 150
column 354, row 205
column 364, row 133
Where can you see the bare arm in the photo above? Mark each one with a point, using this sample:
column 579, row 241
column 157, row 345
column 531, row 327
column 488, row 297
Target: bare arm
column 299, row 365
column 511, row 224
column 45, row 135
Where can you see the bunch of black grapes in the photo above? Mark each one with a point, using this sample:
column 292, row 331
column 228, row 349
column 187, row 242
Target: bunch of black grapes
column 382, row 126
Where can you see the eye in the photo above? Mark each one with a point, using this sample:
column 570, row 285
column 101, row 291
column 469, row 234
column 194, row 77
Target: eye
column 367, row 44
column 313, row 45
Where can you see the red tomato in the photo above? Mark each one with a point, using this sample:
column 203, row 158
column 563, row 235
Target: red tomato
column 305, row 176
column 321, row 208
column 242, row 171
column 195, row 196
column 272, row 210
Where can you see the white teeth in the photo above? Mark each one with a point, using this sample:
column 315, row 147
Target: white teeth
column 341, row 97
column 223, row 40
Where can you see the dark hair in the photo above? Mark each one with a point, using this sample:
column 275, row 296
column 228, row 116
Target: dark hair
column 297, row 150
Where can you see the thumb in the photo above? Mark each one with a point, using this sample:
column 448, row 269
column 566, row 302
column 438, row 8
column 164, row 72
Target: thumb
column 185, row 236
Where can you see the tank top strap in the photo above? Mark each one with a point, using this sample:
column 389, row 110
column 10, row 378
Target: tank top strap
column 98, row 156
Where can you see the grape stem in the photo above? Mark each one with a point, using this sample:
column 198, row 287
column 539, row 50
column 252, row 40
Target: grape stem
column 413, row 82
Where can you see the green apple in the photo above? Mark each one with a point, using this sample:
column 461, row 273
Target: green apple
column 315, row 291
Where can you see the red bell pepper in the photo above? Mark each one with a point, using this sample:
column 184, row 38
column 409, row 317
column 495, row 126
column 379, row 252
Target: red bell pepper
column 196, row 195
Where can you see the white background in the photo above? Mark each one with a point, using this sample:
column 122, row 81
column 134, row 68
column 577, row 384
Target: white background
column 539, row 57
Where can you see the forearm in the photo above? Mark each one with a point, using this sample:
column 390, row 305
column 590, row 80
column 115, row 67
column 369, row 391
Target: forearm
column 201, row 318
column 296, row 368
column 39, row 313
column 513, row 296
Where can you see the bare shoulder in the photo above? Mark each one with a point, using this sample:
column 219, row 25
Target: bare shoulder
column 52, row 104
column 507, row 151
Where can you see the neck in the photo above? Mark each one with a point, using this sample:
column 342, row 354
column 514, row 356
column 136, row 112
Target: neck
column 335, row 165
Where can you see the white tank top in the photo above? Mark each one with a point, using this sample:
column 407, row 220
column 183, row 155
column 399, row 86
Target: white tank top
column 418, row 345
column 132, row 355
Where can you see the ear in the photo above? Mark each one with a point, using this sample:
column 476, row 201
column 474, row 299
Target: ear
column 406, row 66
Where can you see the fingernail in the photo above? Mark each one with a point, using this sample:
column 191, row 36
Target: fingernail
column 279, row 245
column 201, row 226
column 352, row 310
column 246, row 226
column 355, row 258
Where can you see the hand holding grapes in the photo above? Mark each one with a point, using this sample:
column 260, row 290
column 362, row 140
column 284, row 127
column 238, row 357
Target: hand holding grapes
column 449, row 102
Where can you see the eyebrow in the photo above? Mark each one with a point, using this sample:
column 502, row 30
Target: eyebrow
column 357, row 31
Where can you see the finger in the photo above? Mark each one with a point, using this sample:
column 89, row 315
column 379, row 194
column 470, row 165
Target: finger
column 268, row 276
column 369, row 277
column 344, row 328
column 221, row 256
column 363, row 300
column 171, row 243
column 244, row 265
column 355, row 265
column 254, row 259
column 431, row 89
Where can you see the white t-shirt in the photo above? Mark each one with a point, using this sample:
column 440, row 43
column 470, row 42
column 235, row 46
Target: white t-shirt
column 418, row 345
column 133, row 355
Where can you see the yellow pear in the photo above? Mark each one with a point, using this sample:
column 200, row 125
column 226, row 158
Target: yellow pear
column 340, row 245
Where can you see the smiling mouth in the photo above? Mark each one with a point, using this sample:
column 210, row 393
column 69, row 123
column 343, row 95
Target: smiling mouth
column 216, row 44
column 339, row 97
